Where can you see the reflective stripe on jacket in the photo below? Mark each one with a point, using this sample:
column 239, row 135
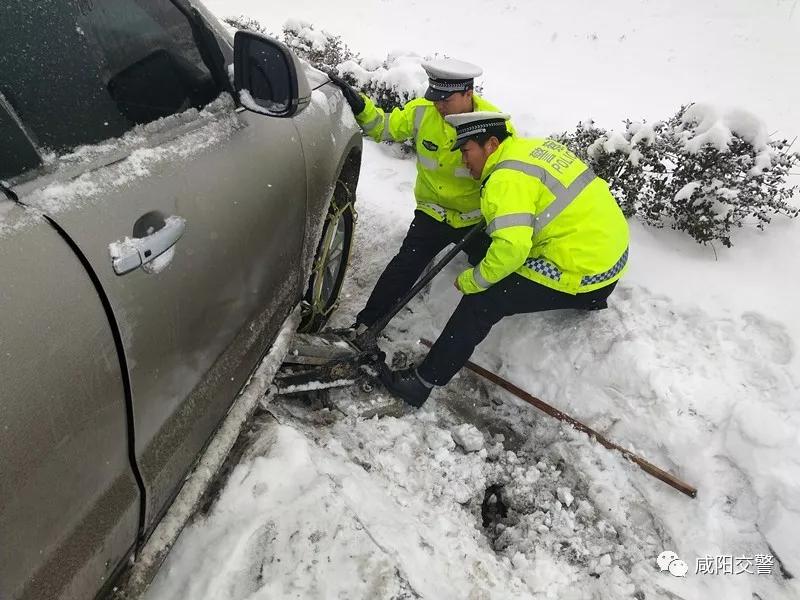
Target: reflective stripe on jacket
column 444, row 189
column 550, row 219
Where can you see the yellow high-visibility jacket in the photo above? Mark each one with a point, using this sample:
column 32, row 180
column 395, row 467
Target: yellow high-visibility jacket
column 444, row 189
column 551, row 219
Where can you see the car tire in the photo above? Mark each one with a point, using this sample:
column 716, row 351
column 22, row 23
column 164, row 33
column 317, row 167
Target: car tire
column 330, row 262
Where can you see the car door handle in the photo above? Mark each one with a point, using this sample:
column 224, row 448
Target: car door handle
column 131, row 253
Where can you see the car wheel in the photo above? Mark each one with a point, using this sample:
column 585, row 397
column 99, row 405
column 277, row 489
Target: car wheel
column 330, row 262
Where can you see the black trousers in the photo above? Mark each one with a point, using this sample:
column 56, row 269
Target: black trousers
column 476, row 314
column 426, row 237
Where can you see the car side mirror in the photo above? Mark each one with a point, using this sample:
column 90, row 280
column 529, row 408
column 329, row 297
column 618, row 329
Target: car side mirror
column 268, row 77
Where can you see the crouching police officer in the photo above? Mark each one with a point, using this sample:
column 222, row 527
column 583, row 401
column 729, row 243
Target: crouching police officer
column 558, row 240
column 448, row 198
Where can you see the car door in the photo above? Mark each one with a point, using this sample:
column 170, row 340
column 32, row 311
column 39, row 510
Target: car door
column 223, row 189
column 69, row 500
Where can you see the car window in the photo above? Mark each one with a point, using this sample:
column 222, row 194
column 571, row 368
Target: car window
column 17, row 152
column 81, row 71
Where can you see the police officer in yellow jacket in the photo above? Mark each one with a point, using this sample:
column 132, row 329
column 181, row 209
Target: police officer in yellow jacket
column 558, row 240
column 447, row 197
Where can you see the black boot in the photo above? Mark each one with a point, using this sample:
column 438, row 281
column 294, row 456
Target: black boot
column 407, row 384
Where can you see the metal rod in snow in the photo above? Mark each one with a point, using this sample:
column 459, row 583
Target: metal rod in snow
column 646, row 466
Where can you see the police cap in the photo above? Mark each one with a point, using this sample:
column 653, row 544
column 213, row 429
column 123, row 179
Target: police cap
column 474, row 124
column 447, row 76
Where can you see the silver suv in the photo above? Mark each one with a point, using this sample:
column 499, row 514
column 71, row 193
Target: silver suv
column 169, row 195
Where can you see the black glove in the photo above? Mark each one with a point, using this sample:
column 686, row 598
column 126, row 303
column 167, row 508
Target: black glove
column 352, row 96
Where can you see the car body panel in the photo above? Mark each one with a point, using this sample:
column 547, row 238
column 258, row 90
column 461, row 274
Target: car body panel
column 234, row 178
column 332, row 146
column 69, row 503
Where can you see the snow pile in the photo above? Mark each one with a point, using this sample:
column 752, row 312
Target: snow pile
column 372, row 511
column 617, row 142
column 707, row 129
column 631, row 141
column 687, row 191
column 642, row 133
column 331, row 530
column 706, row 125
column 468, row 437
column 262, row 106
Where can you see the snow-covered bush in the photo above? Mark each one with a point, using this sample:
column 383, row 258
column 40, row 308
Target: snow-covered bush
column 247, row 24
column 390, row 83
column 702, row 171
column 322, row 49
column 626, row 161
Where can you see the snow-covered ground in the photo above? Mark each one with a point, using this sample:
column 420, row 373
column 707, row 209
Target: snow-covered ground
column 694, row 366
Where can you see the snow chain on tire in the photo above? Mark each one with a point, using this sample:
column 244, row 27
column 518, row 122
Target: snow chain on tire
column 318, row 306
